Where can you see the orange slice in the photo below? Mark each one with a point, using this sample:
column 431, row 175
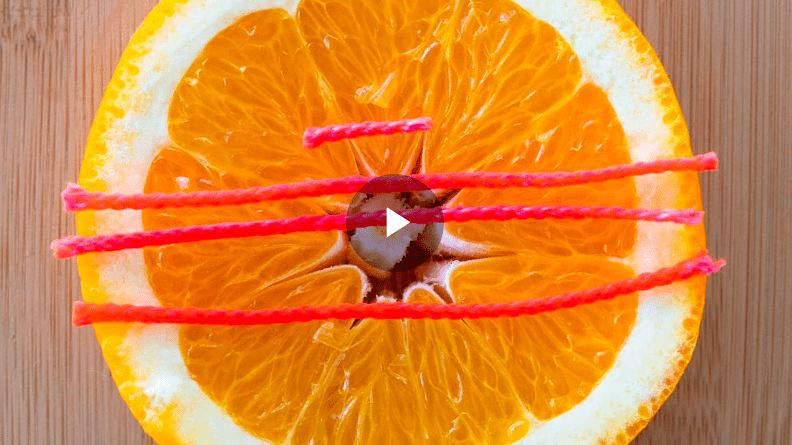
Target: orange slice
column 217, row 96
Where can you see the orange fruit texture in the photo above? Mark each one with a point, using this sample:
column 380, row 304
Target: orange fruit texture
column 508, row 93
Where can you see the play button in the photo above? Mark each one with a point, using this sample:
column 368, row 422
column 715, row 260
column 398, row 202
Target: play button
column 398, row 245
column 394, row 222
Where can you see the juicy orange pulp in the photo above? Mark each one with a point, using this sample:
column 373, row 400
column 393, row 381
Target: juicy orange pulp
column 506, row 93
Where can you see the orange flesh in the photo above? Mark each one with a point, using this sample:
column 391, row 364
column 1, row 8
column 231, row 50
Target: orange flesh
column 507, row 94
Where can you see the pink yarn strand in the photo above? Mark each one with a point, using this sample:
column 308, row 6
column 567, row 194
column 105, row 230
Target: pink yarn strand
column 87, row 313
column 316, row 136
column 76, row 198
column 76, row 245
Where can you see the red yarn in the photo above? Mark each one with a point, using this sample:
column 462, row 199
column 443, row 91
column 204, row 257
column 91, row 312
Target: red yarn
column 77, row 198
column 76, row 245
column 86, row 313
column 316, row 136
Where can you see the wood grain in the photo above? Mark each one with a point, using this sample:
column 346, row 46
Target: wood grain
column 731, row 63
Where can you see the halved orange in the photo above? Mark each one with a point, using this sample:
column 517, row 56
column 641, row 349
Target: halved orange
column 216, row 95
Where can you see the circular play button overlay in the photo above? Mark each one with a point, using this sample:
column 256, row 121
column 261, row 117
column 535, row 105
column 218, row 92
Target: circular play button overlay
column 400, row 244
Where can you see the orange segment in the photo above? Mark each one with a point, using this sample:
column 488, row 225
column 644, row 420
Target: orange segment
column 465, row 390
column 398, row 384
column 584, row 133
column 554, row 359
column 382, row 81
column 212, row 273
column 244, row 104
column 263, row 375
column 483, row 70
column 502, row 70
column 369, row 396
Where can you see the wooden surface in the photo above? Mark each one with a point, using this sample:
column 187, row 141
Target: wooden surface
column 730, row 61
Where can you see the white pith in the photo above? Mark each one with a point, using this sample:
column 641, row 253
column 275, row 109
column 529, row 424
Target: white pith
column 374, row 245
column 608, row 60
